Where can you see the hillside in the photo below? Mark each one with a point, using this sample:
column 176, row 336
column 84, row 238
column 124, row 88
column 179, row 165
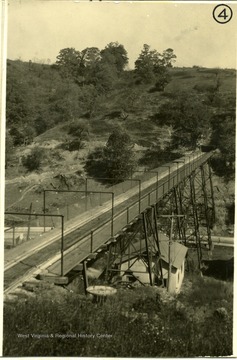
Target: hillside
column 60, row 128
column 68, row 122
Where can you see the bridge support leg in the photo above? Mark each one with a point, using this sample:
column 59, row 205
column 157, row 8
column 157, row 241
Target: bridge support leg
column 211, row 193
column 195, row 218
column 180, row 206
column 85, row 277
column 158, row 245
column 147, row 248
column 206, row 208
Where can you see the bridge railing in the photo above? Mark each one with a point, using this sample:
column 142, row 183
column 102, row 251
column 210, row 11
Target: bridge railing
column 149, row 196
column 151, row 191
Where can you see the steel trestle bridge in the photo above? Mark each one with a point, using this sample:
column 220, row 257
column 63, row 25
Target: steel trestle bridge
column 182, row 188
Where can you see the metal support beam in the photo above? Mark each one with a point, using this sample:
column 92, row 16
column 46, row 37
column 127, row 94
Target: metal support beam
column 211, row 192
column 195, row 218
column 85, row 277
column 147, row 248
column 204, row 189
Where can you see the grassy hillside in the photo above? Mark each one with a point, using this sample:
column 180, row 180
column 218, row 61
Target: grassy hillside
column 137, row 322
column 65, row 123
column 42, row 107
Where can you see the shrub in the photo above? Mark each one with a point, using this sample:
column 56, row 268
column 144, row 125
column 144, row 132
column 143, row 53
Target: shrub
column 34, row 159
column 73, row 145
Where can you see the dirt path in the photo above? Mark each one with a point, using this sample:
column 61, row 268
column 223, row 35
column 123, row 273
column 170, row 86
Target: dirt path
column 29, row 178
column 24, row 193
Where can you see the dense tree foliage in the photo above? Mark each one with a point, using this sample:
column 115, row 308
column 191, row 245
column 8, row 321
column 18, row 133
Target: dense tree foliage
column 168, row 57
column 33, row 160
column 115, row 160
column 223, row 138
column 70, row 62
column 94, row 84
column 118, row 155
column 189, row 118
column 151, row 66
column 40, row 96
column 115, row 53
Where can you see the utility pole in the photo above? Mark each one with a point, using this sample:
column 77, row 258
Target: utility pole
column 169, row 252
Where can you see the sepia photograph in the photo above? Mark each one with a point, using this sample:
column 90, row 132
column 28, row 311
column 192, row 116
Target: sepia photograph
column 118, row 134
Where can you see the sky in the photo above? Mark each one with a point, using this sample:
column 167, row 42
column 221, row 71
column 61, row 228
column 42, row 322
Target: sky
column 38, row 29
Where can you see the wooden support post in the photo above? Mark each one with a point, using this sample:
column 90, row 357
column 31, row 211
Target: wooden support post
column 29, row 222
column 140, row 192
column 44, row 208
column 85, row 277
column 13, row 234
column 86, row 193
column 67, row 212
column 169, row 255
column 91, row 241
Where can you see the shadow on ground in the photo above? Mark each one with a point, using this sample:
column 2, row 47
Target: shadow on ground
column 219, row 269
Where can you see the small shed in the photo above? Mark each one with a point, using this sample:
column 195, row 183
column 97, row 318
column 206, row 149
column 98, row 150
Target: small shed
column 134, row 265
column 177, row 258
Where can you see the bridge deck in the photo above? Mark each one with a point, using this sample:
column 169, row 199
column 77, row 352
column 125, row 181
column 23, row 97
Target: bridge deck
column 78, row 243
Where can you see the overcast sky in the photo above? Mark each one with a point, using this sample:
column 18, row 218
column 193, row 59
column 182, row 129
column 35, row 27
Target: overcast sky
column 38, row 29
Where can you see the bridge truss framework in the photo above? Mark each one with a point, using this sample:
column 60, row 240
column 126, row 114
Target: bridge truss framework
column 190, row 203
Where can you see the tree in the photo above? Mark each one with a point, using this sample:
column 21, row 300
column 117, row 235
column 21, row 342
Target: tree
column 88, row 99
column 151, row 67
column 70, row 62
column 64, row 104
column 102, row 76
column 118, row 156
column 189, row 118
column 223, row 138
column 168, row 57
column 144, row 65
column 162, row 79
column 90, row 56
column 115, row 54
column 114, row 161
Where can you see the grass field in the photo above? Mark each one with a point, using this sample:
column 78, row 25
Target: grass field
column 138, row 322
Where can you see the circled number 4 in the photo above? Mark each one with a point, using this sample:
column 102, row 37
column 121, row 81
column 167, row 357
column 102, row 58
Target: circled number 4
column 223, row 14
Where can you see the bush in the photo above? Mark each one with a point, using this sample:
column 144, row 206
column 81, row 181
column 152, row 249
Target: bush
column 79, row 129
column 73, row 145
column 34, row 159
